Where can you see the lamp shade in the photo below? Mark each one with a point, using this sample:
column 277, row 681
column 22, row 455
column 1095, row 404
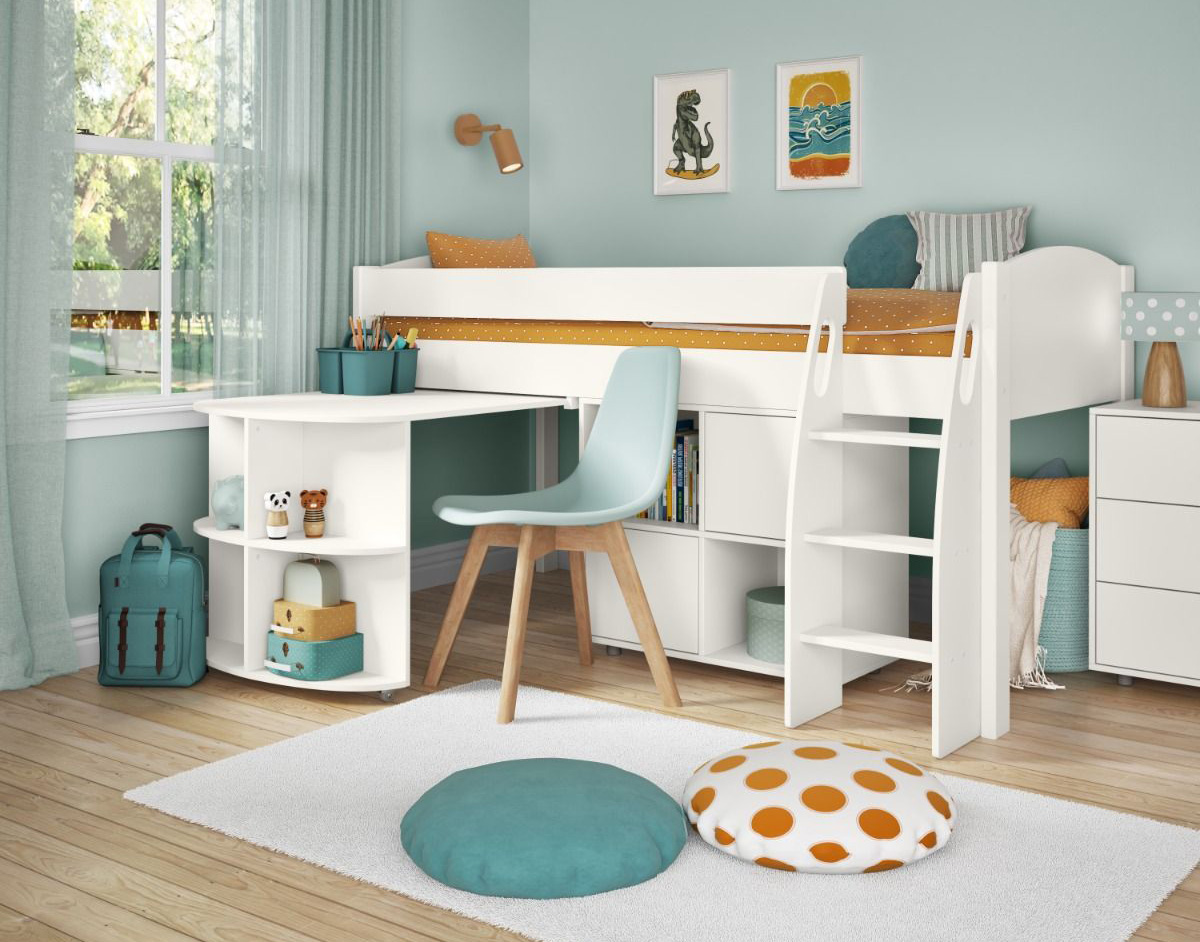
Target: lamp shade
column 1160, row 315
column 508, row 157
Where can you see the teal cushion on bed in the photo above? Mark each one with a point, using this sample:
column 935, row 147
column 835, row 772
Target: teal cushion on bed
column 543, row 829
column 883, row 255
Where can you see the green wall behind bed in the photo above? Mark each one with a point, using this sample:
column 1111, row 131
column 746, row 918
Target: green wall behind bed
column 1085, row 109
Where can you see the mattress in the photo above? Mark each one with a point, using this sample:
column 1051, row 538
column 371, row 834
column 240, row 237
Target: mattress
column 889, row 321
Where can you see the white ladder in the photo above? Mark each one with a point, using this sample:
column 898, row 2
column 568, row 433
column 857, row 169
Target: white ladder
column 827, row 571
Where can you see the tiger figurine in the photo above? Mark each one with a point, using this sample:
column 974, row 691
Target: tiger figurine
column 313, row 503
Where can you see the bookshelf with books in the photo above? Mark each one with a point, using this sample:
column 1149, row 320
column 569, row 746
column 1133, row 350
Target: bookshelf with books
column 679, row 502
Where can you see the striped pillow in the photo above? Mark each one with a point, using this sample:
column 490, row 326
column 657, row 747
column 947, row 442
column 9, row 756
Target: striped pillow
column 952, row 245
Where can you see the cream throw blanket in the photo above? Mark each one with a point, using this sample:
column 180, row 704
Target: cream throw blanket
column 1030, row 547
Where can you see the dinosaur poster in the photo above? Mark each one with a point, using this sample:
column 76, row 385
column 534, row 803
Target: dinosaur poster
column 691, row 133
column 819, row 115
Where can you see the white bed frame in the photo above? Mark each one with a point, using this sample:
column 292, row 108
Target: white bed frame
column 1046, row 341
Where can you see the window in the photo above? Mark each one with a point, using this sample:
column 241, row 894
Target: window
column 145, row 109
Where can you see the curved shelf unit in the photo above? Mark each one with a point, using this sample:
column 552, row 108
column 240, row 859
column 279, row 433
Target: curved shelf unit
column 297, row 542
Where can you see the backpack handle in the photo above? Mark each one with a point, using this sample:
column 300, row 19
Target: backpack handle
column 133, row 542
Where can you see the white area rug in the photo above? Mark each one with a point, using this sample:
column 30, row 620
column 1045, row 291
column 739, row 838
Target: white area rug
column 1019, row 866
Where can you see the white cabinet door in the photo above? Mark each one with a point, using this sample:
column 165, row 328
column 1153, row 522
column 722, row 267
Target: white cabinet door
column 745, row 474
column 1148, row 459
column 669, row 567
column 1148, row 630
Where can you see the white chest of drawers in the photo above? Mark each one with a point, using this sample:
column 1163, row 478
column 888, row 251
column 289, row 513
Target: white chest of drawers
column 1145, row 547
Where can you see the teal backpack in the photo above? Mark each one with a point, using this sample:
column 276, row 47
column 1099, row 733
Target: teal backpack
column 152, row 615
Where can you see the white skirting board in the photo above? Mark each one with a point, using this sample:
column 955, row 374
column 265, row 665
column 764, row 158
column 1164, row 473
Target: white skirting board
column 431, row 566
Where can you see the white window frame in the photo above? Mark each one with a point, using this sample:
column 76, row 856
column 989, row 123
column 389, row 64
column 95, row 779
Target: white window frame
column 121, row 415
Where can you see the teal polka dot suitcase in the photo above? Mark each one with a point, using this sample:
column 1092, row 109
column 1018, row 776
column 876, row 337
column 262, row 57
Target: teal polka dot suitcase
column 314, row 660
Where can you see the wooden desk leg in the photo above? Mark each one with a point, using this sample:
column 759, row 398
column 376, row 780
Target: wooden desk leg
column 583, row 618
column 517, row 620
column 459, row 599
column 639, row 610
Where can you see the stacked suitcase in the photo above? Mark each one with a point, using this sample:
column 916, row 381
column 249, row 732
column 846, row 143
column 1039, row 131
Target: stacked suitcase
column 313, row 634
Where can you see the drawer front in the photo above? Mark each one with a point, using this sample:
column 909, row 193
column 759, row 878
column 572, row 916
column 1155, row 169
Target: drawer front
column 669, row 566
column 1154, row 545
column 1148, row 459
column 745, row 476
column 1148, row 630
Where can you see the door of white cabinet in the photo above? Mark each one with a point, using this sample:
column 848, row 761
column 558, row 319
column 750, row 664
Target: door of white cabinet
column 669, row 565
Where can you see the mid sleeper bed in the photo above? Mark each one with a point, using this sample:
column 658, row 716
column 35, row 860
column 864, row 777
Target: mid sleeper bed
column 804, row 446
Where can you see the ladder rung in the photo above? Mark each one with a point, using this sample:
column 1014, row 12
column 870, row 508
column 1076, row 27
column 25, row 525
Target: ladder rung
column 869, row 642
column 865, row 539
column 870, row 436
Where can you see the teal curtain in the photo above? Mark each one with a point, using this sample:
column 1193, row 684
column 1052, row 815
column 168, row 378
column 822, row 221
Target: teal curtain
column 36, row 193
column 306, row 182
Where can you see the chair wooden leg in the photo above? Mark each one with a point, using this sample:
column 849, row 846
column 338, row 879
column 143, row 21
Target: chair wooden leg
column 583, row 618
column 468, row 573
column 518, row 616
column 639, row 610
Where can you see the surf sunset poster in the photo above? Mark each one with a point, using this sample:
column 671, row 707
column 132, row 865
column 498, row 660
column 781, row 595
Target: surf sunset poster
column 819, row 123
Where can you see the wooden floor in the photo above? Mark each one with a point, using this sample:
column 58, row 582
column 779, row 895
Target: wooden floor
column 79, row 862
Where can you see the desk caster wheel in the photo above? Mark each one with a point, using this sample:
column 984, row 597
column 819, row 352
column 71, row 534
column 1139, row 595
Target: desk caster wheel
column 387, row 696
column 611, row 651
column 1124, row 680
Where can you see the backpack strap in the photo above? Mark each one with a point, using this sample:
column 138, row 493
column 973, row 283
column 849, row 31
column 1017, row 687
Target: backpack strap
column 159, row 627
column 122, row 640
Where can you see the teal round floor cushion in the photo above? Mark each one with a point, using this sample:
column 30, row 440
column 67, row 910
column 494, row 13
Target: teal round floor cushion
column 543, row 829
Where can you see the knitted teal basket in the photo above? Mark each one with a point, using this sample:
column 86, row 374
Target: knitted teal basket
column 1064, row 631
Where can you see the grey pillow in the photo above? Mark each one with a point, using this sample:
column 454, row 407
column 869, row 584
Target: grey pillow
column 952, row 245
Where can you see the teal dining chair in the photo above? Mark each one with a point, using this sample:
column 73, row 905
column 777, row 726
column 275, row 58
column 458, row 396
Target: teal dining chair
column 621, row 473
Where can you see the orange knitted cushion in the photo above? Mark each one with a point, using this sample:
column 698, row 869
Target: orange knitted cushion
column 1051, row 500
column 450, row 251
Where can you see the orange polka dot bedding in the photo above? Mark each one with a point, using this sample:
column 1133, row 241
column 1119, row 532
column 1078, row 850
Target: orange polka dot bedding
column 890, row 321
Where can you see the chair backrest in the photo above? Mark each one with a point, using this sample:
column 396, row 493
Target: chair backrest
column 628, row 450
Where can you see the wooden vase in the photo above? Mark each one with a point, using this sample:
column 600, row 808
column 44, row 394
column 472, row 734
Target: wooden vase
column 1163, row 386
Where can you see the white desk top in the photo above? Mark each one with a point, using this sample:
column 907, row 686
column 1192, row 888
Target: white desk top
column 400, row 407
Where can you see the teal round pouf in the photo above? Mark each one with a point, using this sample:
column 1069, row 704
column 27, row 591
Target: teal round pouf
column 543, row 829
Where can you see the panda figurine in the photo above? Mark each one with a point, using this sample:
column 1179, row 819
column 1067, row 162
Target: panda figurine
column 277, row 503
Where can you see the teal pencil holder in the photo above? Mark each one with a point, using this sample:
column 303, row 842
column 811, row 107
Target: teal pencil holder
column 329, row 369
column 367, row 372
column 404, row 379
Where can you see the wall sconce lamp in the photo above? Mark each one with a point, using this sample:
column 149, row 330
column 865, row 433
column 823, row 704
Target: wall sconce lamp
column 468, row 131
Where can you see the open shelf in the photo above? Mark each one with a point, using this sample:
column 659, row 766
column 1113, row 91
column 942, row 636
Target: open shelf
column 736, row 656
column 662, row 526
column 297, row 542
column 228, row 657
column 870, row 540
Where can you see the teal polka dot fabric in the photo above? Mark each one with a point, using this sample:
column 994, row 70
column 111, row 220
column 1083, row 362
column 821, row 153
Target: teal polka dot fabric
column 1160, row 315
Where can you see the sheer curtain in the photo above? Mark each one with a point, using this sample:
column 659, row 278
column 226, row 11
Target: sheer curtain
column 36, row 192
column 307, row 179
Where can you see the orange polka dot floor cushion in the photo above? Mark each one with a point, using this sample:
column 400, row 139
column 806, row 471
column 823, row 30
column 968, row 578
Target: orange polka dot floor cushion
column 819, row 807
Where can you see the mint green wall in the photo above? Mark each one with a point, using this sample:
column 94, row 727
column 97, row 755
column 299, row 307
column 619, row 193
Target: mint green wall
column 456, row 55
column 1085, row 109
column 115, row 483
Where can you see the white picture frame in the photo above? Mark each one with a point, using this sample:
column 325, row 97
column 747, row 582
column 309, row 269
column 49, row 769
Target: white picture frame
column 711, row 109
column 831, row 106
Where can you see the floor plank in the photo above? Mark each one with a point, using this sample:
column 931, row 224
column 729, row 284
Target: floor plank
column 80, row 864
